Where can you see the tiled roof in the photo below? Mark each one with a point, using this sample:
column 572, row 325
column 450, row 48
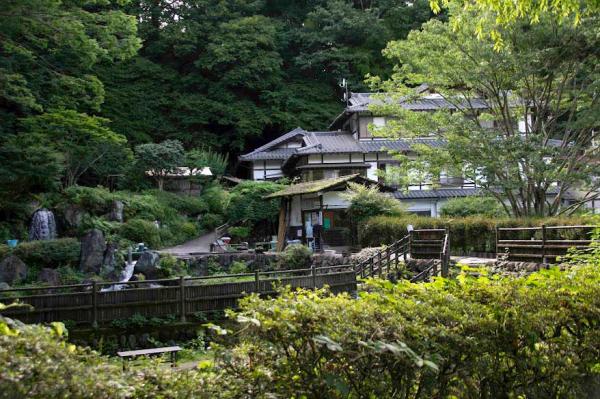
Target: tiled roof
column 360, row 102
column 440, row 193
column 280, row 153
column 332, row 143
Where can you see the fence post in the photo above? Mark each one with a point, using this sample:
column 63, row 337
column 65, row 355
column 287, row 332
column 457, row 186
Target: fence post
column 371, row 261
column 182, row 299
column 410, row 243
column 313, row 273
column 544, row 243
column 256, row 281
column 497, row 249
column 94, row 305
column 380, row 262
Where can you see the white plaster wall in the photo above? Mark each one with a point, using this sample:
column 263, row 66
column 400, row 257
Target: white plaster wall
column 333, row 200
column 314, row 158
column 335, row 158
column 372, row 171
column 296, row 212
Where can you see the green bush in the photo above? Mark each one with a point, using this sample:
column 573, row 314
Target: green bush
column 139, row 230
column 366, row 202
column 469, row 234
column 238, row 267
column 471, row 206
column 38, row 362
column 239, row 232
column 295, row 256
column 211, row 220
column 248, row 203
column 216, row 198
column 49, row 253
column 183, row 204
column 473, row 337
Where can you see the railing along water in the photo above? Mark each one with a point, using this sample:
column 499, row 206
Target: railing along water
column 87, row 303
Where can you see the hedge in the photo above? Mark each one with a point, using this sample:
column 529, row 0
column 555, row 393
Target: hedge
column 471, row 337
column 467, row 235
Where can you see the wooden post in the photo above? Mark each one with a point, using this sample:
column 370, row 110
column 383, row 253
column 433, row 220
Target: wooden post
column 497, row 239
column 94, row 305
column 313, row 273
column 371, row 261
column 182, row 299
column 544, row 244
column 256, row 281
column 380, row 262
column 282, row 224
column 410, row 240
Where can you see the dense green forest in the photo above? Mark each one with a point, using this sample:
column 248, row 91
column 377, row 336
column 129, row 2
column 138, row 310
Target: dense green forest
column 218, row 73
column 83, row 82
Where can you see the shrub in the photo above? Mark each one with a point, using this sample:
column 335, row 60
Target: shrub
column 473, row 337
column 216, row 198
column 38, row 362
column 366, row 202
column 171, row 266
column 470, row 206
column 238, row 267
column 211, row 220
column 248, row 203
column 469, row 234
column 183, row 204
column 295, row 256
column 139, row 230
column 239, row 232
column 49, row 253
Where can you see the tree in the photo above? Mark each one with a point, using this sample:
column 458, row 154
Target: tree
column 197, row 159
column 160, row 160
column 469, row 206
column 82, row 140
column 27, row 167
column 545, row 74
column 48, row 49
column 247, row 202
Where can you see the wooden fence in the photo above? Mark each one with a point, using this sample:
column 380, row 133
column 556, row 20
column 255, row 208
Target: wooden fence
column 540, row 244
column 99, row 303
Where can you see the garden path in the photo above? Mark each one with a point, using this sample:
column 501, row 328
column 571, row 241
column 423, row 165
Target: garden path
column 197, row 245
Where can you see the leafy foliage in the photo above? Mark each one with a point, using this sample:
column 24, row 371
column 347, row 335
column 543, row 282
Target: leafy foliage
column 366, row 202
column 160, row 160
column 471, row 206
column 471, row 337
column 549, row 64
column 295, row 256
column 247, row 202
column 467, row 234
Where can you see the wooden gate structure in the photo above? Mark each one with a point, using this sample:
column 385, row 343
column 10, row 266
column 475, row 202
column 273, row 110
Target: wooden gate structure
column 98, row 303
column 544, row 244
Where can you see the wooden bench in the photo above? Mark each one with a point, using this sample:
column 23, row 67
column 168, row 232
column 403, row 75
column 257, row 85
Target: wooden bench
column 147, row 352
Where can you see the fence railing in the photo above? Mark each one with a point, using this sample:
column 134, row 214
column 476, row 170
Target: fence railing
column 418, row 244
column 98, row 303
column 541, row 244
column 383, row 261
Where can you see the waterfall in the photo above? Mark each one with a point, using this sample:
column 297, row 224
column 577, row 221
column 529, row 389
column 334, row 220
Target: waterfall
column 125, row 276
column 43, row 225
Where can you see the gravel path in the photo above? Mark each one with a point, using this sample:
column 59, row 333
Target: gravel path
column 200, row 244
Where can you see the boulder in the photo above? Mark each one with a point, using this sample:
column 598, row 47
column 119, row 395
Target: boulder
column 4, row 286
column 12, row 269
column 73, row 216
column 49, row 276
column 116, row 211
column 109, row 262
column 93, row 246
column 148, row 264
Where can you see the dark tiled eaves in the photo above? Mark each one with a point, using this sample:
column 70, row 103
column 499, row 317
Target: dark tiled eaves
column 441, row 193
column 282, row 154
